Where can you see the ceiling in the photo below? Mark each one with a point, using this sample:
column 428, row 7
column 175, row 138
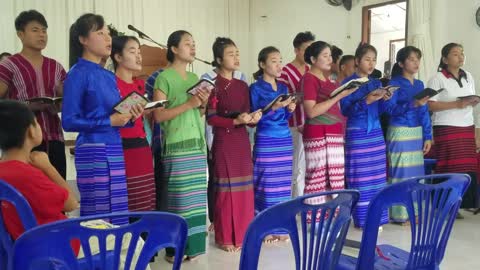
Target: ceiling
column 388, row 18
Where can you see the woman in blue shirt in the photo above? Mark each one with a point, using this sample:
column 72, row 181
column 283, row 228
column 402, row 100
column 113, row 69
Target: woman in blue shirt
column 272, row 172
column 365, row 159
column 409, row 135
column 90, row 93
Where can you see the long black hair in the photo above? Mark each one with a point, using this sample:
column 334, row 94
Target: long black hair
column 218, row 49
column 445, row 52
column 402, row 56
column 262, row 58
column 173, row 41
column 81, row 28
column 363, row 49
column 118, row 44
column 314, row 50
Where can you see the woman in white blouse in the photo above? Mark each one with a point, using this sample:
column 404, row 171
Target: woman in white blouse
column 452, row 119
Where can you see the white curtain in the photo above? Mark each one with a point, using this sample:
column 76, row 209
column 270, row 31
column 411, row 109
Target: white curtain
column 205, row 19
column 419, row 35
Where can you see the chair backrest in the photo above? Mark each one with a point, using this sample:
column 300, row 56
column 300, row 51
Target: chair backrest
column 437, row 205
column 322, row 240
column 50, row 243
column 11, row 195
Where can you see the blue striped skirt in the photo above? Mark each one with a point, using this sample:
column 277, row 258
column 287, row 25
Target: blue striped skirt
column 366, row 169
column 101, row 180
column 272, row 172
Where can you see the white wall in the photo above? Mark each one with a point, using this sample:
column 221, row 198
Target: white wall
column 454, row 21
column 286, row 18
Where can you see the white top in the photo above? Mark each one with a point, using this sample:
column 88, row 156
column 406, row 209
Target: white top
column 453, row 90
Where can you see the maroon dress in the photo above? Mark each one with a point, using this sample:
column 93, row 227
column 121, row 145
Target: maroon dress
column 232, row 161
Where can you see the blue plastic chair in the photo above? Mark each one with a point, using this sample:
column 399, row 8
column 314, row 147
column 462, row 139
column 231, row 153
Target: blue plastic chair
column 320, row 249
column 25, row 213
column 438, row 205
column 48, row 246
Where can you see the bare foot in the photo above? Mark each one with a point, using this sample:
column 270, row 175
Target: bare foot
column 193, row 258
column 171, row 259
column 270, row 239
column 227, row 248
column 282, row 238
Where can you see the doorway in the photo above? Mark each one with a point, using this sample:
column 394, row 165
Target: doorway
column 385, row 27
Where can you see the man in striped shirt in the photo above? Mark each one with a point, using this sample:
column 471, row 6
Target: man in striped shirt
column 291, row 75
column 29, row 74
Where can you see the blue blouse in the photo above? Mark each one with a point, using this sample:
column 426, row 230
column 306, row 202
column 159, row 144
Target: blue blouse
column 273, row 123
column 414, row 116
column 363, row 116
column 90, row 93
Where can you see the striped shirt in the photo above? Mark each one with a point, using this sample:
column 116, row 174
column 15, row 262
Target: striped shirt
column 291, row 78
column 25, row 82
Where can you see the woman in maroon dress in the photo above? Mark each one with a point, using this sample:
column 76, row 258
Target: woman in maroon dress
column 228, row 114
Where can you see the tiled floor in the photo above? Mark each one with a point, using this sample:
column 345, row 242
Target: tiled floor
column 462, row 250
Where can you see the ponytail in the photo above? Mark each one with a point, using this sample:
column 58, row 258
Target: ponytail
column 445, row 52
column 262, row 58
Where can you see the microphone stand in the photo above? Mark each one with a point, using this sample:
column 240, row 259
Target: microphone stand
column 147, row 38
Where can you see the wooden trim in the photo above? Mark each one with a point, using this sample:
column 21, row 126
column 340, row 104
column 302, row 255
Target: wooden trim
column 366, row 24
column 367, row 18
column 390, row 56
column 406, row 21
column 385, row 4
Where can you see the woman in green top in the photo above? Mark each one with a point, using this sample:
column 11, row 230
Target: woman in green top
column 184, row 160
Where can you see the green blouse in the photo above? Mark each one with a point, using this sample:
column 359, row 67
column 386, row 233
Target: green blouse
column 186, row 132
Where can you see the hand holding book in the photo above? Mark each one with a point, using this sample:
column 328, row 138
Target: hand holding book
column 131, row 100
column 375, row 95
column 256, row 116
column 470, row 100
column 349, row 87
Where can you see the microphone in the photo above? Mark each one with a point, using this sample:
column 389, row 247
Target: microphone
column 140, row 33
column 145, row 37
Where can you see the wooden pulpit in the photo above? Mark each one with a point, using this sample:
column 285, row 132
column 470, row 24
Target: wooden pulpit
column 153, row 58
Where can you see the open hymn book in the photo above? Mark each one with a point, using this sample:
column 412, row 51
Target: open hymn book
column 428, row 92
column 134, row 98
column 349, row 85
column 281, row 98
column 202, row 84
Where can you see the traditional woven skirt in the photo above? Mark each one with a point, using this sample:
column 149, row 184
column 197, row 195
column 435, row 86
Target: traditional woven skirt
column 405, row 160
column 325, row 159
column 366, row 169
column 101, row 180
column 232, row 175
column 140, row 178
column 272, row 173
column 187, row 194
column 455, row 153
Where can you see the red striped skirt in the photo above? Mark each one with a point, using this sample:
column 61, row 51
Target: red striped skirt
column 455, row 153
column 140, row 177
column 455, row 149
